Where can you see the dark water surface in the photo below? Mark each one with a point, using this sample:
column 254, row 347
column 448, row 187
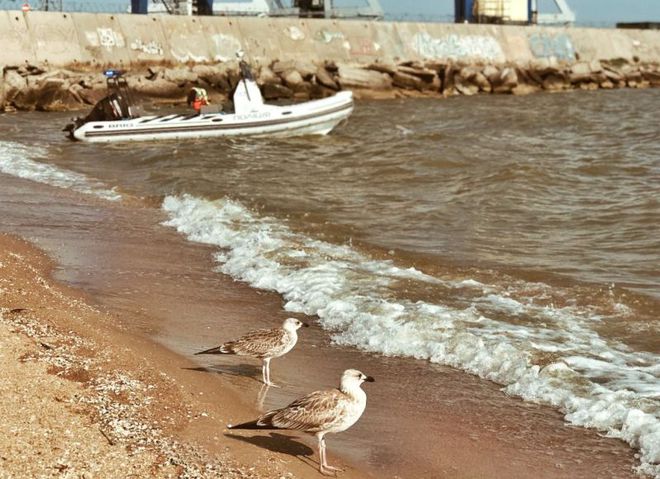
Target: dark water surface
column 551, row 183
column 516, row 238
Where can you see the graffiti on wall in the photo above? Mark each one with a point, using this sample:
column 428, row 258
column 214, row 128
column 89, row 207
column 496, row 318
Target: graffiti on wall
column 363, row 47
column 457, row 46
column 356, row 46
column 294, row 33
column 150, row 48
column 105, row 37
column 225, row 47
column 326, row 36
column 108, row 38
column 183, row 55
column 549, row 46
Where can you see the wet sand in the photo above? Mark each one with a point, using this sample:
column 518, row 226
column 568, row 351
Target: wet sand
column 81, row 399
column 421, row 420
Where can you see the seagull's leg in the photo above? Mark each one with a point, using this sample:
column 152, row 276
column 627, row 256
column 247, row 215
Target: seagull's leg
column 325, row 460
column 267, row 374
column 323, row 465
column 264, row 375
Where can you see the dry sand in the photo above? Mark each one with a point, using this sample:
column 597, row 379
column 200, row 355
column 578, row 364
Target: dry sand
column 83, row 399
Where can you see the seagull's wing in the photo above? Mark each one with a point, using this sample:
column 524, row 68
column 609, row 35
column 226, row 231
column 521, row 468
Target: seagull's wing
column 313, row 412
column 257, row 343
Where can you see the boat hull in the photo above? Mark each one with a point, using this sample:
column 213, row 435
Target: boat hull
column 317, row 117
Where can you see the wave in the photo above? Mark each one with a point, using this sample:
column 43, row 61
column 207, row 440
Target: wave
column 19, row 160
column 548, row 354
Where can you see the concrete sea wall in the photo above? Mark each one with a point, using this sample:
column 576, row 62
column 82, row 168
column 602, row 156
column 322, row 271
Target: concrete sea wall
column 52, row 60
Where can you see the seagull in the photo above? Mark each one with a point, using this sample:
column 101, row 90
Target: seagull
column 264, row 344
column 319, row 413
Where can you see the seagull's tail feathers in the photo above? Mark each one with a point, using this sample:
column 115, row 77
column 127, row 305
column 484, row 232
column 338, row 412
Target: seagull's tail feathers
column 226, row 348
column 264, row 422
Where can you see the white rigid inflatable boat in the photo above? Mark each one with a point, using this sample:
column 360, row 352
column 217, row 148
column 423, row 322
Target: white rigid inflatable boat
column 112, row 119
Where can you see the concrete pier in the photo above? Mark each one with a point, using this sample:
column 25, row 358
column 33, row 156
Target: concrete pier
column 375, row 58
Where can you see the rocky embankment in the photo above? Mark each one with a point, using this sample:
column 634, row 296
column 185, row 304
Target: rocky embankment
column 30, row 87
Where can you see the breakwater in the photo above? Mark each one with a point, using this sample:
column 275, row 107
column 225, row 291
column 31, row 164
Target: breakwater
column 54, row 60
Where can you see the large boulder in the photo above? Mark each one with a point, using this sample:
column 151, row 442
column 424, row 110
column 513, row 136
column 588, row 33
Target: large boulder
column 492, row 74
column 54, row 94
column 506, row 81
column 212, row 75
column 302, row 91
column 465, row 87
column 292, row 78
column 525, row 89
column 159, row 88
column 324, row 78
column 306, row 69
column 427, row 75
column 464, row 81
column 580, row 72
column 14, row 82
column 16, row 91
column 355, row 77
column 90, row 96
column 229, row 76
column 554, row 82
column 437, row 66
column 28, row 69
column 407, row 81
column 631, row 73
column 652, row 76
column 273, row 91
column 482, row 82
column 388, row 68
column 589, row 85
column 266, row 75
column 96, row 81
column 613, row 75
column 180, row 76
column 280, row 66
column 595, row 66
column 448, row 82
column 320, row 91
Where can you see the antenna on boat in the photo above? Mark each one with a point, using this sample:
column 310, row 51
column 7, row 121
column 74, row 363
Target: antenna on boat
column 246, row 74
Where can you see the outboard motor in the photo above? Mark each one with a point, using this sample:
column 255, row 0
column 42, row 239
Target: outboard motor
column 117, row 105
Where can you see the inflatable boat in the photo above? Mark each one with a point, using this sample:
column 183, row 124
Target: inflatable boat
column 112, row 118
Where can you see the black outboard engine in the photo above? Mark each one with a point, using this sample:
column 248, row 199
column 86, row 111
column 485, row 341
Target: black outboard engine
column 117, row 105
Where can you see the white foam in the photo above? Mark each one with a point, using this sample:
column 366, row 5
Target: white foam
column 20, row 160
column 596, row 383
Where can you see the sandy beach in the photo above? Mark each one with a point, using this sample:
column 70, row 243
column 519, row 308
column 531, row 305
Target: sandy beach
column 84, row 399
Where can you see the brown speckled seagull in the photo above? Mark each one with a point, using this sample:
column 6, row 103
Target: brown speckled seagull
column 264, row 344
column 319, row 413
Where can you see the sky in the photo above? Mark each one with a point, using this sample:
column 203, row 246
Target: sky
column 589, row 12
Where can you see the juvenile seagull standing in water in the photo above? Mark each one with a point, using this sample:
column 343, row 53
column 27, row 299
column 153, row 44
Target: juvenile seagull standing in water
column 319, row 413
column 264, row 344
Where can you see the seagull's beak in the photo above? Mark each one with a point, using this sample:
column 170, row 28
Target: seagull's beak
column 370, row 379
column 306, row 325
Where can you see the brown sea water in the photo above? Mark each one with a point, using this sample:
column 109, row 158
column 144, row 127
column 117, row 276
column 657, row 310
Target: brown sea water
column 516, row 238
